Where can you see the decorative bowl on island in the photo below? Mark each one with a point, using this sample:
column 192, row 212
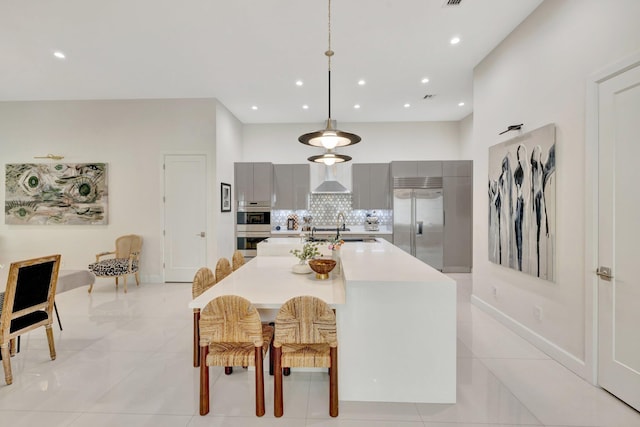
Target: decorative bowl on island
column 322, row 267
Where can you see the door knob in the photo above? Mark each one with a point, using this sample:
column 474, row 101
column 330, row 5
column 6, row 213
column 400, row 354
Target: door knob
column 202, row 234
column 604, row 273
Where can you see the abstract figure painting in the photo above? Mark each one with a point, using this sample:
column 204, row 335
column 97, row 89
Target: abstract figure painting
column 56, row 193
column 522, row 203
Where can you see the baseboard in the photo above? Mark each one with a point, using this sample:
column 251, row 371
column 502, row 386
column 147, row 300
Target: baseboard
column 551, row 349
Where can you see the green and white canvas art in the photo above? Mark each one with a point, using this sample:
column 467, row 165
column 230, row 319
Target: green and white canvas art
column 56, row 193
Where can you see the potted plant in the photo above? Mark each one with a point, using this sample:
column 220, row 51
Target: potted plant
column 309, row 251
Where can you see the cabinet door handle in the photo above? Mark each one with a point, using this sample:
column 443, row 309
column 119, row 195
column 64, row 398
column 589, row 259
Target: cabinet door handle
column 419, row 228
column 604, row 273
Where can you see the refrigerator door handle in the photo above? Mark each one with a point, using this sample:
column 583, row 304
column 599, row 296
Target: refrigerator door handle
column 419, row 228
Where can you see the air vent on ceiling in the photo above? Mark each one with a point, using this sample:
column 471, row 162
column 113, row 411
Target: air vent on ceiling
column 428, row 96
column 449, row 3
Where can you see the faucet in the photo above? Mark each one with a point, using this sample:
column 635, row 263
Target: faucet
column 338, row 224
column 313, row 230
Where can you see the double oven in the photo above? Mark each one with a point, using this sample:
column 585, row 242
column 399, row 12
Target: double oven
column 253, row 225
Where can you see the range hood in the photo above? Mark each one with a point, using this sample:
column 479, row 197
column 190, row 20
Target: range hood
column 330, row 185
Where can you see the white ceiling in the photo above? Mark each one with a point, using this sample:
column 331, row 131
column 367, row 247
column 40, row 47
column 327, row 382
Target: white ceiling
column 251, row 52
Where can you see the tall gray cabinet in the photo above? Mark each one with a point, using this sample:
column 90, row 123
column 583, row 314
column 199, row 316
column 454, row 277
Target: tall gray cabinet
column 291, row 186
column 457, row 181
column 254, row 182
column 370, row 186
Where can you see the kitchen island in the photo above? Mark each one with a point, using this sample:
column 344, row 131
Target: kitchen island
column 396, row 319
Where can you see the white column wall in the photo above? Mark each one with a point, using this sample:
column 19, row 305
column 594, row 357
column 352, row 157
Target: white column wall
column 537, row 76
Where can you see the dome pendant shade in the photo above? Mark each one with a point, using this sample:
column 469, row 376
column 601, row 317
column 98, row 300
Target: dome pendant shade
column 329, row 138
column 329, row 158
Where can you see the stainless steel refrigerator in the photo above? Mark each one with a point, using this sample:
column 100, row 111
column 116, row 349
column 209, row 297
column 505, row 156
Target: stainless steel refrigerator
column 418, row 223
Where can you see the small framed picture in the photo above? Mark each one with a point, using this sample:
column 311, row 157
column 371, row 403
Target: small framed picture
column 225, row 197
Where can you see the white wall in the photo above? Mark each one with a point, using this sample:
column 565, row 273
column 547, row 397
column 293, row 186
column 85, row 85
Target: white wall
column 228, row 151
column 132, row 137
column 537, row 76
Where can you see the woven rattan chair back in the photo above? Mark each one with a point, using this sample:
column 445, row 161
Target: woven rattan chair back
column 230, row 319
column 127, row 245
column 237, row 260
column 203, row 280
column 223, row 269
column 306, row 320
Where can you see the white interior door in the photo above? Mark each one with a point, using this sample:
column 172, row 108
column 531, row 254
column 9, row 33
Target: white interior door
column 185, row 196
column 619, row 236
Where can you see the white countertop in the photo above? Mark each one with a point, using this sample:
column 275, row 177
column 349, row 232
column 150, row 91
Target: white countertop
column 268, row 281
column 353, row 229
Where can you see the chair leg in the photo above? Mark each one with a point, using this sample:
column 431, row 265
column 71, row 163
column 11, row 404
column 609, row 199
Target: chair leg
column 259, row 382
column 137, row 278
column 13, row 349
column 52, row 347
column 333, row 382
column 90, row 288
column 228, row 370
column 277, row 382
column 196, row 338
column 6, row 362
column 125, row 283
column 55, row 307
column 204, row 381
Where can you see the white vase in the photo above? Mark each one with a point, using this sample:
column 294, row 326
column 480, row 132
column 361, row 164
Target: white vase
column 301, row 268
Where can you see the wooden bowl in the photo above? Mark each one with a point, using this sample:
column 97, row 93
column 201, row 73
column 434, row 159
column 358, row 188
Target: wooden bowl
column 322, row 267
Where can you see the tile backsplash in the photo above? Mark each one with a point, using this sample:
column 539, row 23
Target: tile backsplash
column 324, row 209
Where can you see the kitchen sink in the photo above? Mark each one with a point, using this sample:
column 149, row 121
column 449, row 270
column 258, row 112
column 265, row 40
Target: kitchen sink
column 331, row 229
column 359, row 239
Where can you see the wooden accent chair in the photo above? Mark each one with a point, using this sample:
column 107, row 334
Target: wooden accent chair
column 223, row 269
column 27, row 304
column 203, row 280
column 237, row 260
column 305, row 336
column 231, row 334
column 125, row 261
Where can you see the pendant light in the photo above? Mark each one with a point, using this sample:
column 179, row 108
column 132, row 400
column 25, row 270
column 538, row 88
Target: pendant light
column 329, row 137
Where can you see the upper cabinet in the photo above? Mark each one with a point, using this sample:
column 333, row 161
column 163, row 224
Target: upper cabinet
column 254, row 182
column 371, row 186
column 407, row 169
column 291, row 186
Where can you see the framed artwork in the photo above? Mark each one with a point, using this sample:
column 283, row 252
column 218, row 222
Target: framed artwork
column 56, row 193
column 225, row 197
column 522, row 203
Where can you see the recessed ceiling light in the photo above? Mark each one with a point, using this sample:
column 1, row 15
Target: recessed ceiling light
column 59, row 55
column 361, row 82
column 299, row 82
column 425, row 80
column 305, row 107
column 407, row 105
column 455, row 40
column 357, row 106
column 460, row 104
column 254, row 107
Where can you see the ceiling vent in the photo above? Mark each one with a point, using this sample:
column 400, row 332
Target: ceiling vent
column 428, row 96
column 450, row 3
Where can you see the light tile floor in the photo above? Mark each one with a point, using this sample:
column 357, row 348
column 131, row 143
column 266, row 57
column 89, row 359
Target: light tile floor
column 125, row 360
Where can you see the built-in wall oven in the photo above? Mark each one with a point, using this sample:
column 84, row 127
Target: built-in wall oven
column 253, row 225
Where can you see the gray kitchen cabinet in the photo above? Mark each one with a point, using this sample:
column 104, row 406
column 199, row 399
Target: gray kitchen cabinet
column 457, row 168
column 411, row 168
column 291, row 186
column 253, row 182
column 458, row 212
column 371, row 186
